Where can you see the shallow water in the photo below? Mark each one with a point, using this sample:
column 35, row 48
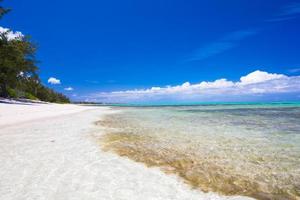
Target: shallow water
column 251, row 150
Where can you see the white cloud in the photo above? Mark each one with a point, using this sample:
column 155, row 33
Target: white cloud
column 53, row 81
column 259, row 76
column 10, row 34
column 220, row 83
column 257, row 83
column 69, row 89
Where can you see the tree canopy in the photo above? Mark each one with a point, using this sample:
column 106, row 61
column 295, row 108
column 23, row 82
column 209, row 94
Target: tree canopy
column 18, row 69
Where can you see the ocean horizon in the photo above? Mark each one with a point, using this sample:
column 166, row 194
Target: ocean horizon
column 151, row 100
column 242, row 103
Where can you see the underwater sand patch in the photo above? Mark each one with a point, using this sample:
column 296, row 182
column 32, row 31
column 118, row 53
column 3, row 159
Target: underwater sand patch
column 199, row 172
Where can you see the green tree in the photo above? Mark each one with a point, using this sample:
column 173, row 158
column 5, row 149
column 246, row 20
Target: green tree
column 18, row 70
column 17, row 62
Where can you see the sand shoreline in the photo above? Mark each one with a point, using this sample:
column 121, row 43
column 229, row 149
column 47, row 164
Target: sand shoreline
column 19, row 113
column 48, row 151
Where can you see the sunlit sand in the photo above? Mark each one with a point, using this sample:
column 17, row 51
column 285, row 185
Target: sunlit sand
column 50, row 151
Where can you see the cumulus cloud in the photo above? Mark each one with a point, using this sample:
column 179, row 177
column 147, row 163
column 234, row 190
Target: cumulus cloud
column 69, row 89
column 53, row 81
column 259, row 76
column 253, row 85
column 10, row 34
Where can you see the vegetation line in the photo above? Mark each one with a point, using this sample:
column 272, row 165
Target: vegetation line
column 18, row 70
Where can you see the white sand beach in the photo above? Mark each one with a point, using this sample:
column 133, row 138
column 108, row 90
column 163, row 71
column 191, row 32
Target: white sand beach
column 48, row 151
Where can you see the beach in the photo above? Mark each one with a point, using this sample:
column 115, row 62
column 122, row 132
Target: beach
column 52, row 151
column 150, row 100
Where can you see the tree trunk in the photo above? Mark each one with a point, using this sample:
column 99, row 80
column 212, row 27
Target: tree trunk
column 3, row 90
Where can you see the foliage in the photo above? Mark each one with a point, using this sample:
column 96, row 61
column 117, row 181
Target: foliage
column 16, row 62
column 12, row 93
column 18, row 70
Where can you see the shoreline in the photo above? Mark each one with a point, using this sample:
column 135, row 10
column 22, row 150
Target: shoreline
column 49, row 152
column 236, row 151
column 19, row 112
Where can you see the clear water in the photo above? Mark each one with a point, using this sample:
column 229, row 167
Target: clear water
column 233, row 149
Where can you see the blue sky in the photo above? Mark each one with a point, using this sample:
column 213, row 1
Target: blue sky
column 100, row 47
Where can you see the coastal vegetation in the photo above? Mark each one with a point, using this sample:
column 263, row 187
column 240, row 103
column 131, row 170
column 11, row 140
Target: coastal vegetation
column 18, row 69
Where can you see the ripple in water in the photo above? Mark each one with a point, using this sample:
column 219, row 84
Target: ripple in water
column 226, row 149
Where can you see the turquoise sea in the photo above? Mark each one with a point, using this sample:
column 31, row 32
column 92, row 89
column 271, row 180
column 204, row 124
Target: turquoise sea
column 250, row 149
